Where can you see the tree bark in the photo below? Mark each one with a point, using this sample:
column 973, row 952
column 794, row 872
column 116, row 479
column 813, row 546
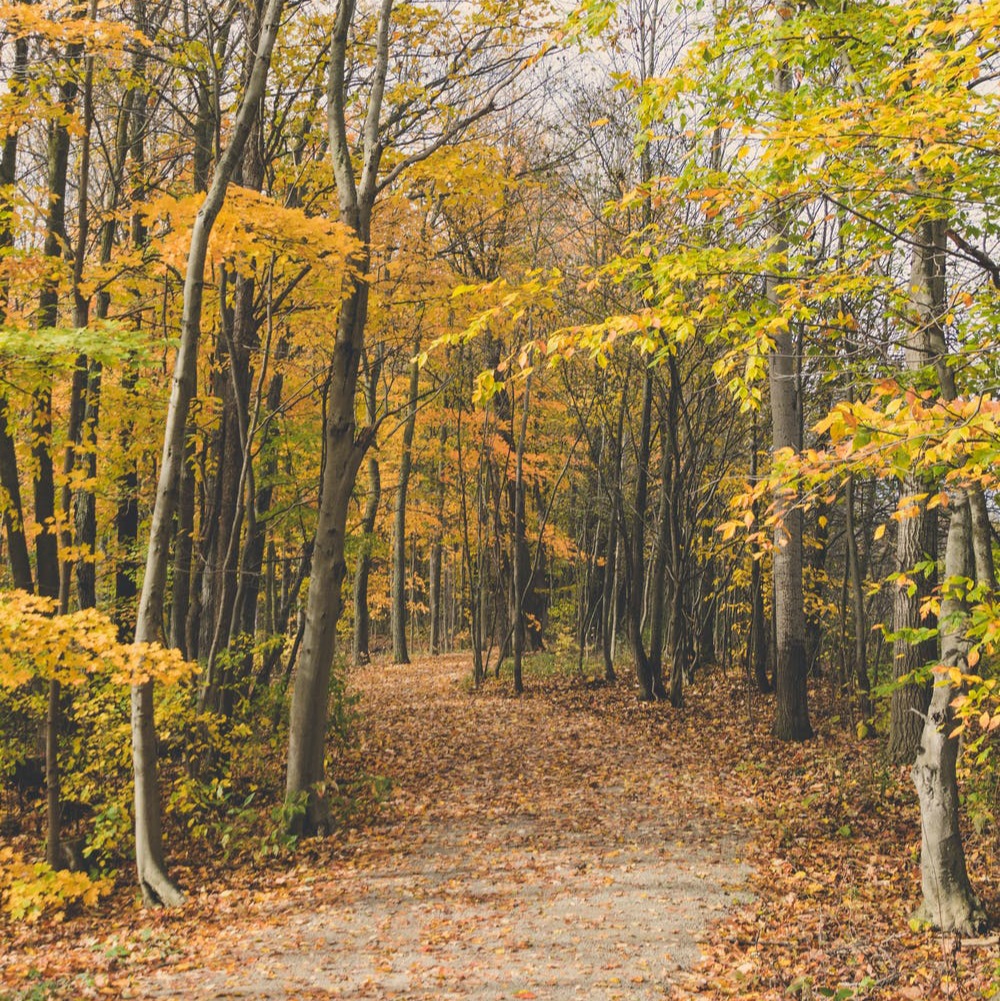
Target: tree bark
column 791, row 721
column 437, row 551
column 156, row 885
column 362, row 571
column 400, row 654
column 307, row 807
column 47, row 567
column 13, row 512
column 948, row 901
column 859, row 671
column 520, row 543
column 756, row 653
column 917, row 535
column 637, row 562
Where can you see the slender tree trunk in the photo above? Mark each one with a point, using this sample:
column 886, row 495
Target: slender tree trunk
column 132, row 133
column 400, row 654
column 520, row 544
column 658, row 597
column 860, row 659
column 13, row 512
column 437, row 547
column 156, row 885
column 637, row 563
column 252, row 574
column 180, row 599
column 680, row 644
column 362, row 615
column 757, row 640
column 47, row 566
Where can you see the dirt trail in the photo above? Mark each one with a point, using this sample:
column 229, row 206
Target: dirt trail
column 556, row 846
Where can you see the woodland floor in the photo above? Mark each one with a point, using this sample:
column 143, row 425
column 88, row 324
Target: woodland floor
column 567, row 844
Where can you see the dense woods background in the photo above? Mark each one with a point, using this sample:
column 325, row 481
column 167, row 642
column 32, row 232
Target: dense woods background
column 657, row 340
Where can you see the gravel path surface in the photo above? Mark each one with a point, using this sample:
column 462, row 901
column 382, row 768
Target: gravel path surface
column 552, row 847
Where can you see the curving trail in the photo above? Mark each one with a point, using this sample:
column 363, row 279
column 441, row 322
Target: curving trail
column 565, row 845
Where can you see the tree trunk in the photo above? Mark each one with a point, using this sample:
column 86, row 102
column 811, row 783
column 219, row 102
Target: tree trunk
column 307, row 808
column 47, row 567
column 362, row 616
column 400, row 655
column 915, row 541
column 792, row 706
column 757, row 644
column 521, row 575
column 674, row 483
column 153, row 879
column 251, row 574
column 180, row 599
column 637, row 563
column 948, row 901
column 917, row 535
column 859, row 671
column 791, row 721
column 13, row 512
column 306, row 803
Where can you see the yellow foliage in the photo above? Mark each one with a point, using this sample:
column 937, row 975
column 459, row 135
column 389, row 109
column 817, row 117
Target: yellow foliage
column 29, row 890
column 250, row 229
column 37, row 643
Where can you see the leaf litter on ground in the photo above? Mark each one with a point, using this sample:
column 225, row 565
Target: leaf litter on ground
column 571, row 842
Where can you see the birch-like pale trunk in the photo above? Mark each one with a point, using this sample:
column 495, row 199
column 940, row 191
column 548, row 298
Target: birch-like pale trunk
column 155, row 883
column 948, row 901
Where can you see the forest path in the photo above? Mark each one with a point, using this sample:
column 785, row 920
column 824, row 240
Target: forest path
column 561, row 845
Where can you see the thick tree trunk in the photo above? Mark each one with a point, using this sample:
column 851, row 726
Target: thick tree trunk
column 948, row 901
column 791, row 721
column 306, row 803
column 307, row 808
column 917, row 535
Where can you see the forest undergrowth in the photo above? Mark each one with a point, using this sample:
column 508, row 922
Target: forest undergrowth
column 828, row 829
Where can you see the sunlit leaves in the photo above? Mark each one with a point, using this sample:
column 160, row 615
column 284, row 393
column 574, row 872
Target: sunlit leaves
column 31, row 890
column 37, row 643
